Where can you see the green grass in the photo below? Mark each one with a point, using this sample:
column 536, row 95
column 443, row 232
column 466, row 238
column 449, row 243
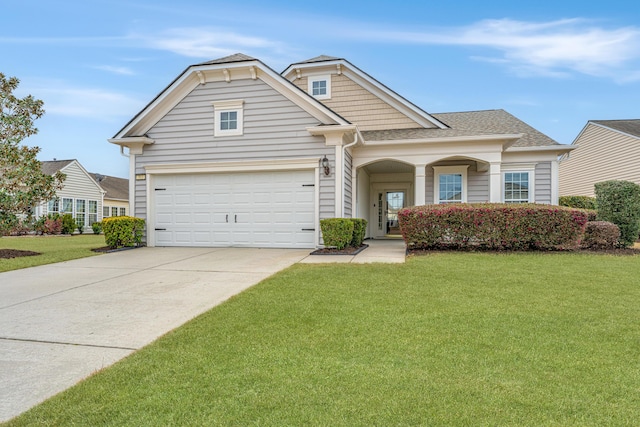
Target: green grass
column 52, row 249
column 454, row 339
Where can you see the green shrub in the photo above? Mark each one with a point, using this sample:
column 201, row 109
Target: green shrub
column 68, row 224
column 580, row 202
column 619, row 203
column 600, row 235
column 96, row 227
column 123, row 231
column 337, row 232
column 359, row 231
column 492, row 226
column 8, row 222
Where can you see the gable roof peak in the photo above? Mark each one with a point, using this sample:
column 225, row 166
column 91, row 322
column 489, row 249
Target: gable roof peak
column 319, row 58
column 49, row 167
column 236, row 57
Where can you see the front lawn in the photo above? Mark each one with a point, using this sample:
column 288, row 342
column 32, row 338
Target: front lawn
column 52, row 249
column 453, row 339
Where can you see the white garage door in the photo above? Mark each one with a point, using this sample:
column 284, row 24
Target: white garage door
column 261, row 209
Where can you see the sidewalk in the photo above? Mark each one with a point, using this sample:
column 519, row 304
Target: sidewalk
column 386, row 251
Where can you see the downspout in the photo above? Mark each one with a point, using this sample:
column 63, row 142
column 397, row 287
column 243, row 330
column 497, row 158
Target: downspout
column 353, row 192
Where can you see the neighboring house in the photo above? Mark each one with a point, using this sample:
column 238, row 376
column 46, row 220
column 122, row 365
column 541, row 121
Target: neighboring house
column 606, row 150
column 81, row 195
column 116, row 198
column 233, row 153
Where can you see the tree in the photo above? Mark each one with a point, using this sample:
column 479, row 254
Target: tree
column 22, row 183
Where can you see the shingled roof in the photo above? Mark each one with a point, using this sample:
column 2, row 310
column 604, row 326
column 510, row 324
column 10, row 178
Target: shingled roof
column 236, row 57
column 49, row 167
column 470, row 123
column 631, row 127
column 115, row 188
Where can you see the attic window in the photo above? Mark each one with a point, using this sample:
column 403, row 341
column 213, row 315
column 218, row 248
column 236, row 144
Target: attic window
column 320, row 87
column 228, row 117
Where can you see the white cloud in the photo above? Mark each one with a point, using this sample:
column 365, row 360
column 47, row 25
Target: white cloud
column 204, row 42
column 94, row 103
column 125, row 71
column 546, row 48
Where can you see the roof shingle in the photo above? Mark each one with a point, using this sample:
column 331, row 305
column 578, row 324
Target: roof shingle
column 470, row 123
column 632, row 127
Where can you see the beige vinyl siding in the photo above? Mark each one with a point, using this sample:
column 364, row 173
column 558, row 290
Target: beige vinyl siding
column 602, row 155
column 477, row 185
column 543, row 183
column 359, row 106
column 274, row 128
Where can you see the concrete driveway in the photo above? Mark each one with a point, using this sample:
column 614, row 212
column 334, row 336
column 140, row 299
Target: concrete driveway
column 61, row 322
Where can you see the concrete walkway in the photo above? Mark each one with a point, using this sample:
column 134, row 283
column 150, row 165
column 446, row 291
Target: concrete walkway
column 60, row 323
column 386, row 251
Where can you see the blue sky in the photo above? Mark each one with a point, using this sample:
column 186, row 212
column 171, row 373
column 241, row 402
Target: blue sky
column 95, row 64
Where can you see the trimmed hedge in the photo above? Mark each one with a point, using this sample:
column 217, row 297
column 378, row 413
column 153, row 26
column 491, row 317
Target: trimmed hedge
column 359, row 231
column 619, row 203
column 342, row 232
column 123, row 231
column 600, row 235
column 580, row 202
column 492, row 226
column 337, row 232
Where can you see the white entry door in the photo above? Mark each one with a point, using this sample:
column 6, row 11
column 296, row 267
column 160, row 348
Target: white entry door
column 255, row 209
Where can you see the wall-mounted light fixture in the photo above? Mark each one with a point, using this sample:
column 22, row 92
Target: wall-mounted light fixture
column 325, row 166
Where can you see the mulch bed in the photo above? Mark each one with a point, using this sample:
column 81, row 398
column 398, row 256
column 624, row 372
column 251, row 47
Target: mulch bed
column 349, row 250
column 15, row 253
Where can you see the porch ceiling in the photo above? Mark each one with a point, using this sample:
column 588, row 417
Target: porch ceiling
column 389, row 166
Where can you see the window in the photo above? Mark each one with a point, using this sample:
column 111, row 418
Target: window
column 105, row 211
column 114, row 211
column 67, row 206
column 93, row 211
column 320, row 87
column 81, row 212
column 53, row 207
column 518, row 186
column 228, row 120
column 229, row 117
column 450, row 184
column 123, row 211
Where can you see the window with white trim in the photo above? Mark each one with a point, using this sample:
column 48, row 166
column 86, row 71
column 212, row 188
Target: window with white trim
column 518, row 183
column 320, row 86
column 93, row 211
column 229, row 117
column 81, row 210
column 450, row 184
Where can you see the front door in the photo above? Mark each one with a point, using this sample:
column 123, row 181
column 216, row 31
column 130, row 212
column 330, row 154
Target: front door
column 395, row 200
column 387, row 203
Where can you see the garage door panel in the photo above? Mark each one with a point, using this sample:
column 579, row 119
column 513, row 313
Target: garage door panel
column 262, row 209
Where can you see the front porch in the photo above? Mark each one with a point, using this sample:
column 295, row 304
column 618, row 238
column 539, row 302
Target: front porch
column 381, row 188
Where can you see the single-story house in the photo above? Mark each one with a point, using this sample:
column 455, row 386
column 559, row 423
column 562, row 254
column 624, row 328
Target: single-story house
column 233, row 153
column 81, row 195
column 606, row 150
column 116, row 197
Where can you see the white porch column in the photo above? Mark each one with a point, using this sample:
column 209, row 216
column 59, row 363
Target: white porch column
column 420, row 185
column 495, row 183
column 132, row 185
